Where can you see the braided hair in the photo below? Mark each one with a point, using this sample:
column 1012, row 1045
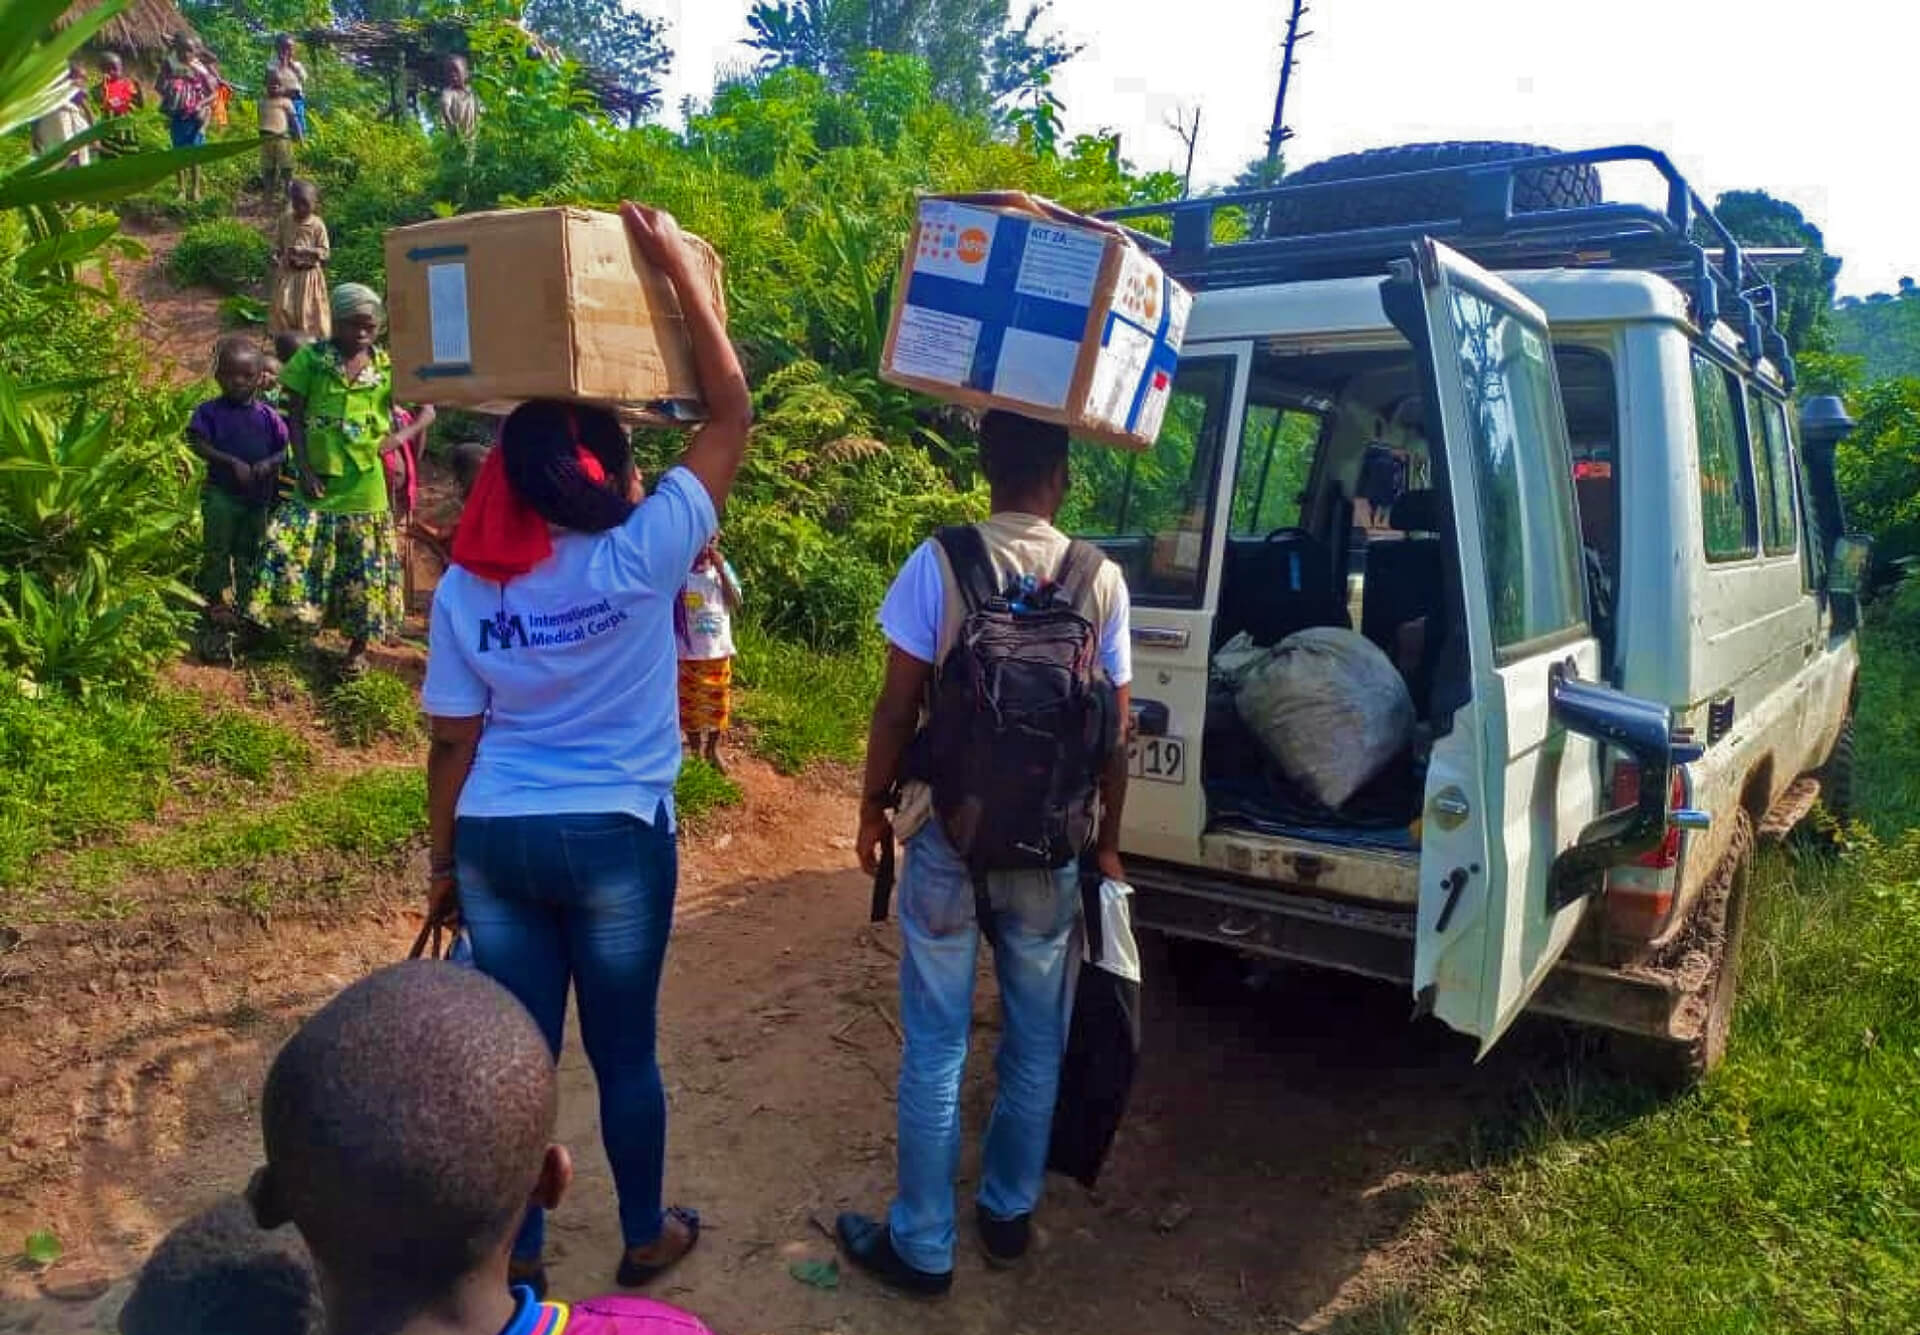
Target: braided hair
column 539, row 448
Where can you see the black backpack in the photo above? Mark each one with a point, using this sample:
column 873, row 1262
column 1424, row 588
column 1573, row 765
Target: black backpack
column 1022, row 720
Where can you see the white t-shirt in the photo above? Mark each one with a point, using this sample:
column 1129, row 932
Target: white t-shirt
column 574, row 665
column 922, row 610
column 709, row 623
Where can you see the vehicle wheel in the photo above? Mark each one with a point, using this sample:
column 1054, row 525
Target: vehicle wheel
column 1709, row 974
column 1534, row 189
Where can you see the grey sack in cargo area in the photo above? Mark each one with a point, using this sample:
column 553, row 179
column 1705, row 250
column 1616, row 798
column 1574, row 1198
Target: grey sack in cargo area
column 1328, row 706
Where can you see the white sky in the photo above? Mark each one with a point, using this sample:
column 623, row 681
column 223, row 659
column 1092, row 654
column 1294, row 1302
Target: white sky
column 1817, row 103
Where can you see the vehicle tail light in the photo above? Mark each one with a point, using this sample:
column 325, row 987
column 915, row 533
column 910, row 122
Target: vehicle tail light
column 1639, row 898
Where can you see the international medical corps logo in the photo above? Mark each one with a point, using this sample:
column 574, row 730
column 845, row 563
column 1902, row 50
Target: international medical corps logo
column 509, row 630
column 502, row 630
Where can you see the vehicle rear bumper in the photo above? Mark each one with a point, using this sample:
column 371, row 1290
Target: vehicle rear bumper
column 1285, row 923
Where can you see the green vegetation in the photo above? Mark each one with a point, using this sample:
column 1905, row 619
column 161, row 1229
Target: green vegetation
column 702, row 789
column 802, row 705
column 375, row 707
column 1785, row 1194
column 226, row 255
column 77, row 770
column 1883, row 332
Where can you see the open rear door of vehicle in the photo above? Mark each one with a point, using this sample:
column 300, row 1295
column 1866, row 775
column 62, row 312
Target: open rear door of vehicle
column 1508, row 789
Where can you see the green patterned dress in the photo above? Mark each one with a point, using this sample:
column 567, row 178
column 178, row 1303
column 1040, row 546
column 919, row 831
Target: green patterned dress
column 335, row 561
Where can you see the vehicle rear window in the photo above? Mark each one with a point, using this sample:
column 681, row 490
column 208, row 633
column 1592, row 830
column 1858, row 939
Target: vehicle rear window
column 1148, row 509
column 1773, row 467
column 1728, row 520
column 1523, row 475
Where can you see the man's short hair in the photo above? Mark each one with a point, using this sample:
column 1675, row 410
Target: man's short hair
column 1018, row 453
column 220, row 1273
column 406, row 1124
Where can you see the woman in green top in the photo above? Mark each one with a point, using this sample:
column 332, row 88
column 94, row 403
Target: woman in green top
column 332, row 558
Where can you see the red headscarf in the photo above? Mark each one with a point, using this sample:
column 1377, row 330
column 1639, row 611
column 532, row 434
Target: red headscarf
column 500, row 536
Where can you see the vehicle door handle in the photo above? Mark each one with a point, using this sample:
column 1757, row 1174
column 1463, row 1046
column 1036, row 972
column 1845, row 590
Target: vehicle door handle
column 1161, row 637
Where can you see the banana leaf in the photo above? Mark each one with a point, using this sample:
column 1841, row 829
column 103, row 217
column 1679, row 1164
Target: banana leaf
column 33, row 56
column 116, row 178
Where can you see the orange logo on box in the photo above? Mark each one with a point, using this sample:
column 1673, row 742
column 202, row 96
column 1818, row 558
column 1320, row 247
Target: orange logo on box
column 973, row 246
column 1151, row 301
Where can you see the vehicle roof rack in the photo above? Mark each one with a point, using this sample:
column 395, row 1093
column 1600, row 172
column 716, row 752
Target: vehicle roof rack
column 1683, row 242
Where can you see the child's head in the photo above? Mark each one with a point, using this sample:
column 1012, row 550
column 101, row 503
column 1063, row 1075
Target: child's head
column 270, row 369
column 77, row 74
column 467, row 459
column 303, row 197
column 437, row 1095
column 457, row 72
column 287, row 346
column 111, row 66
column 283, row 46
column 237, row 365
column 220, row 1273
column 182, row 45
column 358, row 313
column 274, row 86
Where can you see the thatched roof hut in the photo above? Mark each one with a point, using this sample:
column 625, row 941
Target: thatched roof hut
column 141, row 31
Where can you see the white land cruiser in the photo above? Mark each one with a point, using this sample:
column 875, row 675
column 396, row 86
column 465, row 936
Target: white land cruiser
column 1537, row 448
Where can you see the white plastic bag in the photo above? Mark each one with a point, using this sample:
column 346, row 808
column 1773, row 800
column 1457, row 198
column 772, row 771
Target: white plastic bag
column 1329, row 707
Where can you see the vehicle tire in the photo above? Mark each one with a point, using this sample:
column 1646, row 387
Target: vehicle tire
column 1534, row 189
column 1709, row 972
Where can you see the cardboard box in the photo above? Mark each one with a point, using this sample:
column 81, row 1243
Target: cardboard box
column 488, row 310
column 1010, row 301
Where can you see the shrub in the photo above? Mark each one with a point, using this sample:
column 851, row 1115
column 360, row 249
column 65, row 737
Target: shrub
column 378, row 705
column 225, row 254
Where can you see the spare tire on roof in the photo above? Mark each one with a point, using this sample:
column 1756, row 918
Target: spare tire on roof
column 1534, row 188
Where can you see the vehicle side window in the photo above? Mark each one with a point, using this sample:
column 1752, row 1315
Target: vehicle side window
column 1773, row 469
column 1277, row 448
column 1727, row 518
column 1523, row 474
column 1148, row 509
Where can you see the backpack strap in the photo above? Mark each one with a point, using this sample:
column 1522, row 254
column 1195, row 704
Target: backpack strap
column 1078, row 569
column 972, row 567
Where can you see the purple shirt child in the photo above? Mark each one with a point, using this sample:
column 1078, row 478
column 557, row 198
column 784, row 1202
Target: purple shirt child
column 250, row 432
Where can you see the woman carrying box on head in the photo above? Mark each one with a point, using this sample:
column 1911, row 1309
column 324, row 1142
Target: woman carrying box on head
column 551, row 685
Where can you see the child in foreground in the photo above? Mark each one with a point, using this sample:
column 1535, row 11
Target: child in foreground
column 244, row 444
column 220, row 1273
column 705, row 625
column 437, row 1096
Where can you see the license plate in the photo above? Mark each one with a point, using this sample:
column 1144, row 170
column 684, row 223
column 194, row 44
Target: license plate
column 1159, row 759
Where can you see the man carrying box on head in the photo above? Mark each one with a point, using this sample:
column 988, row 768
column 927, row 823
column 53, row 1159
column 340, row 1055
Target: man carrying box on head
column 996, row 811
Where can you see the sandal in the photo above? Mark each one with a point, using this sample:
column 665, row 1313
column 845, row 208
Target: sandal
column 635, row 1274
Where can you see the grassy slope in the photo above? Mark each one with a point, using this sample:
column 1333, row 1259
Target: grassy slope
column 1886, row 334
column 1784, row 1195
column 77, row 775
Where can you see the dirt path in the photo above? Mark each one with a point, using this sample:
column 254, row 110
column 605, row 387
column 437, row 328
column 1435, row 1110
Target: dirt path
column 1280, row 1144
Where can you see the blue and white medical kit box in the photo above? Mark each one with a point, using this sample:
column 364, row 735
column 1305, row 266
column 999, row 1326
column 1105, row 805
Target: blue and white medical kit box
column 1010, row 301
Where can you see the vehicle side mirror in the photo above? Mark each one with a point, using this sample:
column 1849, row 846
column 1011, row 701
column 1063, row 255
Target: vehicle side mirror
column 1847, row 572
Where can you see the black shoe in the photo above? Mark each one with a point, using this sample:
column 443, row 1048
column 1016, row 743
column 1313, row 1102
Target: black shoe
column 1006, row 1240
column 869, row 1245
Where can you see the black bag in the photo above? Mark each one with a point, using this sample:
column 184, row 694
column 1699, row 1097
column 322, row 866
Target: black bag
column 1021, row 721
column 1103, row 1053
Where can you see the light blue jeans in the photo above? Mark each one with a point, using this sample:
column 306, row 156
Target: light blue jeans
column 1034, row 914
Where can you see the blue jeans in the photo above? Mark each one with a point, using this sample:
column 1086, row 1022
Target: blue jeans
column 1034, row 915
column 586, row 899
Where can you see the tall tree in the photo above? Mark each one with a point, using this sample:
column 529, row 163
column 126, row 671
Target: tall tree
column 610, row 36
column 1805, row 287
column 981, row 62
